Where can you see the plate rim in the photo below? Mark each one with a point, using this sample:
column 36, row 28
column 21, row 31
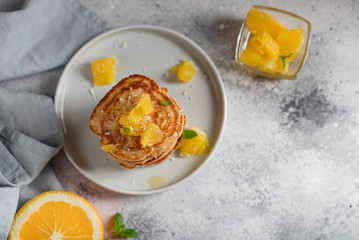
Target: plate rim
column 58, row 104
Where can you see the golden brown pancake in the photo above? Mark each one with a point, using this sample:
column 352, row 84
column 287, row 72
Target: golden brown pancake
column 128, row 151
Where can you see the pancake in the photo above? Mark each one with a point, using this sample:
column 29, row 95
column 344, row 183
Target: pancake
column 126, row 149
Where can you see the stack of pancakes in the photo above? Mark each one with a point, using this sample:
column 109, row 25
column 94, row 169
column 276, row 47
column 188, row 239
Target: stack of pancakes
column 127, row 150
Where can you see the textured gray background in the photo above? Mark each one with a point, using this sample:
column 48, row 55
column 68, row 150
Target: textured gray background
column 287, row 166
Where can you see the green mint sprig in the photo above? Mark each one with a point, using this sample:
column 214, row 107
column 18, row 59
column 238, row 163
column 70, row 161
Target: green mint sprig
column 284, row 58
column 188, row 134
column 126, row 130
column 120, row 230
column 165, row 102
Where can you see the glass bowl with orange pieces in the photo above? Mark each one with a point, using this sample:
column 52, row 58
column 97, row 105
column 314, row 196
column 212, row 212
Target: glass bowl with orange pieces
column 273, row 43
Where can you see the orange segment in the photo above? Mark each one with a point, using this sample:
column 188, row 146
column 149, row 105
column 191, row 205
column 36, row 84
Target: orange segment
column 273, row 46
column 259, row 22
column 185, row 71
column 136, row 128
column 143, row 107
column 57, row 215
column 151, row 135
column 290, row 41
column 252, row 57
column 197, row 145
column 136, row 120
column 109, row 147
column 104, row 71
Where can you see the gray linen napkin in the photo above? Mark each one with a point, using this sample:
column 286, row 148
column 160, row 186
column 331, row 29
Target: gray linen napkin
column 30, row 136
column 43, row 34
column 35, row 36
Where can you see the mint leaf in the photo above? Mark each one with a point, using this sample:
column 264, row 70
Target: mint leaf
column 118, row 223
column 128, row 233
column 119, row 229
column 127, row 131
column 284, row 58
column 188, row 134
column 165, row 102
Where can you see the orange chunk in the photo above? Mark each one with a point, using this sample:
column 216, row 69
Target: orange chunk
column 185, row 71
column 103, row 71
column 290, row 41
column 57, row 215
column 136, row 128
column 109, row 147
column 143, row 107
column 197, row 145
column 259, row 22
column 252, row 57
column 151, row 135
column 273, row 46
column 135, row 120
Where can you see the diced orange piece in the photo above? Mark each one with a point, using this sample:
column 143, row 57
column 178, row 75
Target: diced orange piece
column 252, row 57
column 185, row 71
column 151, row 135
column 259, row 22
column 143, row 107
column 197, row 145
column 272, row 46
column 109, row 147
column 275, row 65
column 104, row 71
column 290, row 41
column 136, row 128
column 260, row 50
column 135, row 119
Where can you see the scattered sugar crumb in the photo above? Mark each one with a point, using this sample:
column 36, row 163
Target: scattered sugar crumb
column 123, row 45
column 145, row 70
column 132, row 181
column 185, row 92
column 165, row 74
column 92, row 94
column 172, row 159
column 206, row 130
column 107, row 133
column 190, row 98
column 335, row 125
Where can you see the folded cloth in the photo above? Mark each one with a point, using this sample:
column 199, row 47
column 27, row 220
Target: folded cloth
column 30, row 135
column 43, row 34
column 35, row 36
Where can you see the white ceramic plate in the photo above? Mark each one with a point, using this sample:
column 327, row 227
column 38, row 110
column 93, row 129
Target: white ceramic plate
column 150, row 51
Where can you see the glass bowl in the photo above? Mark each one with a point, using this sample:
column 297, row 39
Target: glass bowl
column 290, row 21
